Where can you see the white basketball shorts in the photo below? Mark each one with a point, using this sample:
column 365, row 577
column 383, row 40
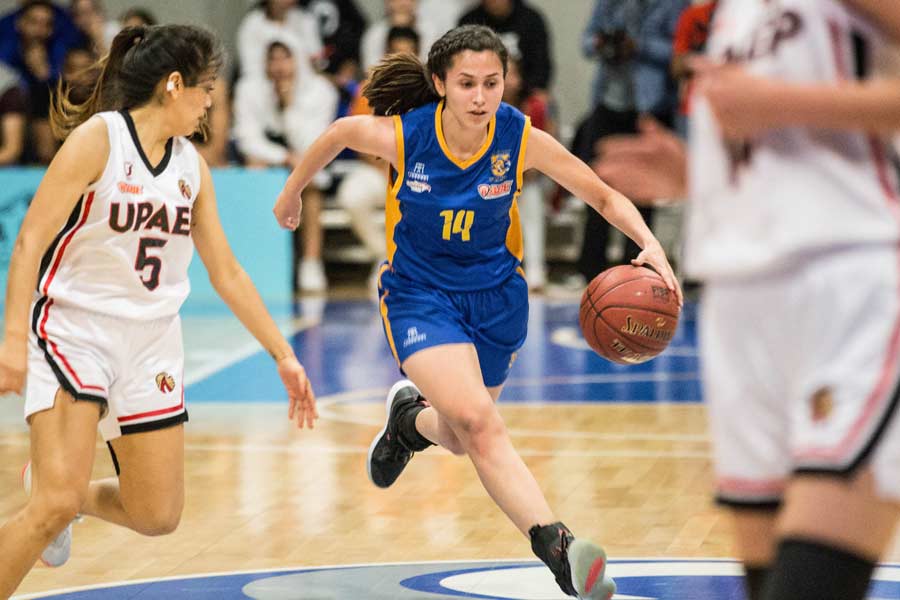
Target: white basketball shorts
column 133, row 369
column 800, row 373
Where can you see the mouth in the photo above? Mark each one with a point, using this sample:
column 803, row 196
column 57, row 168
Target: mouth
column 477, row 113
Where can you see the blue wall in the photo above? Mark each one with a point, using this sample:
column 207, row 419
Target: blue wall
column 245, row 199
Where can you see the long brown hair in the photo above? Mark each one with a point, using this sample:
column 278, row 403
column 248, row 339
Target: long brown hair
column 400, row 82
column 127, row 77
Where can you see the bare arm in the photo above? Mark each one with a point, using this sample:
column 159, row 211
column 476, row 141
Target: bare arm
column 233, row 285
column 79, row 162
column 548, row 156
column 364, row 133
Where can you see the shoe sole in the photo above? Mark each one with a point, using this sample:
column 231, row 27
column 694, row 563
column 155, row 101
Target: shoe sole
column 591, row 570
column 389, row 401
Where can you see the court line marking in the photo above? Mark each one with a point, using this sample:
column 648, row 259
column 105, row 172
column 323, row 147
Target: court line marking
column 223, row 360
column 623, row 560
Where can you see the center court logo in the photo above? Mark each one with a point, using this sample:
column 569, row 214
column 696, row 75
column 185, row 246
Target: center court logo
column 413, row 337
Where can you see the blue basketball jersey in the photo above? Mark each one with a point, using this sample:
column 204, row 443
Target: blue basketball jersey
column 454, row 224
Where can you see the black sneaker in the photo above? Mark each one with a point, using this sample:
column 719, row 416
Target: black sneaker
column 388, row 454
column 578, row 566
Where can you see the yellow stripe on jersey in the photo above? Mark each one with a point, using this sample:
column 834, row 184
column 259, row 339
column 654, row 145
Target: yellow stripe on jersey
column 392, row 213
column 387, row 323
column 439, row 131
column 514, row 233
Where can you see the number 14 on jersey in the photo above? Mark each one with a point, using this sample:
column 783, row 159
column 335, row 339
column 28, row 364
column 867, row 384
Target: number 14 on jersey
column 457, row 222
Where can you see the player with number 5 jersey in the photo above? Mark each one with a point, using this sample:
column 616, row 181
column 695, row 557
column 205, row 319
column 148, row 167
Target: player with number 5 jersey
column 453, row 300
column 96, row 280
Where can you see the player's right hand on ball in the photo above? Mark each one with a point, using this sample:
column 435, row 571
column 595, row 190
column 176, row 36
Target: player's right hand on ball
column 287, row 209
column 301, row 398
column 13, row 365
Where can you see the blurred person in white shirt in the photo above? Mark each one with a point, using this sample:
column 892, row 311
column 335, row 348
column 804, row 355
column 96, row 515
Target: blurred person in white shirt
column 276, row 117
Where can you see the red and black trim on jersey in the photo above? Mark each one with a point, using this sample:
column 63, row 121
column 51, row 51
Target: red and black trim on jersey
column 65, row 374
column 75, row 221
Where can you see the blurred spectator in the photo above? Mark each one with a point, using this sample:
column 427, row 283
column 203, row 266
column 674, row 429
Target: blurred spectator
column 38, row 61
column 632, row 40
column 77, row 74
column 531, row 201
column 276, row 20
column 691, row 34
column 64, row 34
column 361, row 192
column 134, row 17
column 525, row 34
column 276, row 118
column 443, row 15
column 12, row 116
column 340, row 25
column 397, row 13
column 90, row 19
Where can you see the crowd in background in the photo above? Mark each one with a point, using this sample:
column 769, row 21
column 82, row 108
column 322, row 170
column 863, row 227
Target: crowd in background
column 301, row 64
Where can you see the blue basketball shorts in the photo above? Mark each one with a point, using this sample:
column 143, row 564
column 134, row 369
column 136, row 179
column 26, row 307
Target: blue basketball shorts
column 416, row 316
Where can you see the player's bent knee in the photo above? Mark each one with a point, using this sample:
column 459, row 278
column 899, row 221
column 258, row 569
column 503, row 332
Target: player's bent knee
column 56, row 510
column 156, row 522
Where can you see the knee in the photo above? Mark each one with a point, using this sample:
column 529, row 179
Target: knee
column 155, row 521
column 56, row 509
column 450, row 442
column 479, row 429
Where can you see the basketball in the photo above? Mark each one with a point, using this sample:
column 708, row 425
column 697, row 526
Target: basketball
column 628, row 315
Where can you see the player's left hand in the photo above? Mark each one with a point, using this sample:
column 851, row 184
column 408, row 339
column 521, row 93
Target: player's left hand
column 287, row 209
column 301, row 398
column 740, row 101
column 654, row 256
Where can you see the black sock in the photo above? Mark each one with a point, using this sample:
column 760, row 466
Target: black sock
column 754, row 580
column 809, row 570
column 548, row 544
column 407, row 432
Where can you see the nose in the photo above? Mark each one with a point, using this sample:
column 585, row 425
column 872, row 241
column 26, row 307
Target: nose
column 479, row 96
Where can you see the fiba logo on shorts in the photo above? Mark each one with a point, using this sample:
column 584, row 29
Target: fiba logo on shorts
column 165, row 382
column 413, row 337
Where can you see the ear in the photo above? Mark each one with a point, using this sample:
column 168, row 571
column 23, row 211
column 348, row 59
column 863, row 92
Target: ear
column 439, row 86
column 174, row 84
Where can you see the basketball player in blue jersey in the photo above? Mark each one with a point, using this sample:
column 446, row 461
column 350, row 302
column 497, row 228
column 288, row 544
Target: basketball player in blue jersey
column 453, row 297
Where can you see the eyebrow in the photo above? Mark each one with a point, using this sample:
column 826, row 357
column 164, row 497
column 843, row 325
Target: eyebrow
column 494, row 74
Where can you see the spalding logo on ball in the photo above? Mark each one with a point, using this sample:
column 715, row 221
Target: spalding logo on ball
column 628, row 315
column 165, row 382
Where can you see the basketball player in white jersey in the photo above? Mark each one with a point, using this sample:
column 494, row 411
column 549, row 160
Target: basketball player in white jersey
column 96, row 280
column 794, row 227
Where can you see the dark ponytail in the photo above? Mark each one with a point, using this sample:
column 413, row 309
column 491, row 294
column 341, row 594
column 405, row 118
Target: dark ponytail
column 127, row 77
column 400, row 82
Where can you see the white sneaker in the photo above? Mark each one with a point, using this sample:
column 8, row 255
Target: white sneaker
column 311, row 276
column 59, row 550
column 587, row 562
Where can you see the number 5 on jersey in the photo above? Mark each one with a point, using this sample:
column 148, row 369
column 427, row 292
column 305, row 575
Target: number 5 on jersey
column 459, row 221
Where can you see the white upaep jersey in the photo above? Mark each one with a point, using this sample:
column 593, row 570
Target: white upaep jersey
column 790, row 193
column 126, row 247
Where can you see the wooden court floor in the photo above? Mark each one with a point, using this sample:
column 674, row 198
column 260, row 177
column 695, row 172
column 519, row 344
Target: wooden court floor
column 633, row 475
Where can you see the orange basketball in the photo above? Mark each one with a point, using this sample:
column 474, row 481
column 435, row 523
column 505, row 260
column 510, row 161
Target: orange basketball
column 628, row 315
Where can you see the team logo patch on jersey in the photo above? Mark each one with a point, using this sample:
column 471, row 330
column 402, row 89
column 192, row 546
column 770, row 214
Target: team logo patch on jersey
column 129, row 169
column 489, row 191
column 418, row 186
column 165, row 382
column 500, row 164
column 185, row 189
column 821, row 405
